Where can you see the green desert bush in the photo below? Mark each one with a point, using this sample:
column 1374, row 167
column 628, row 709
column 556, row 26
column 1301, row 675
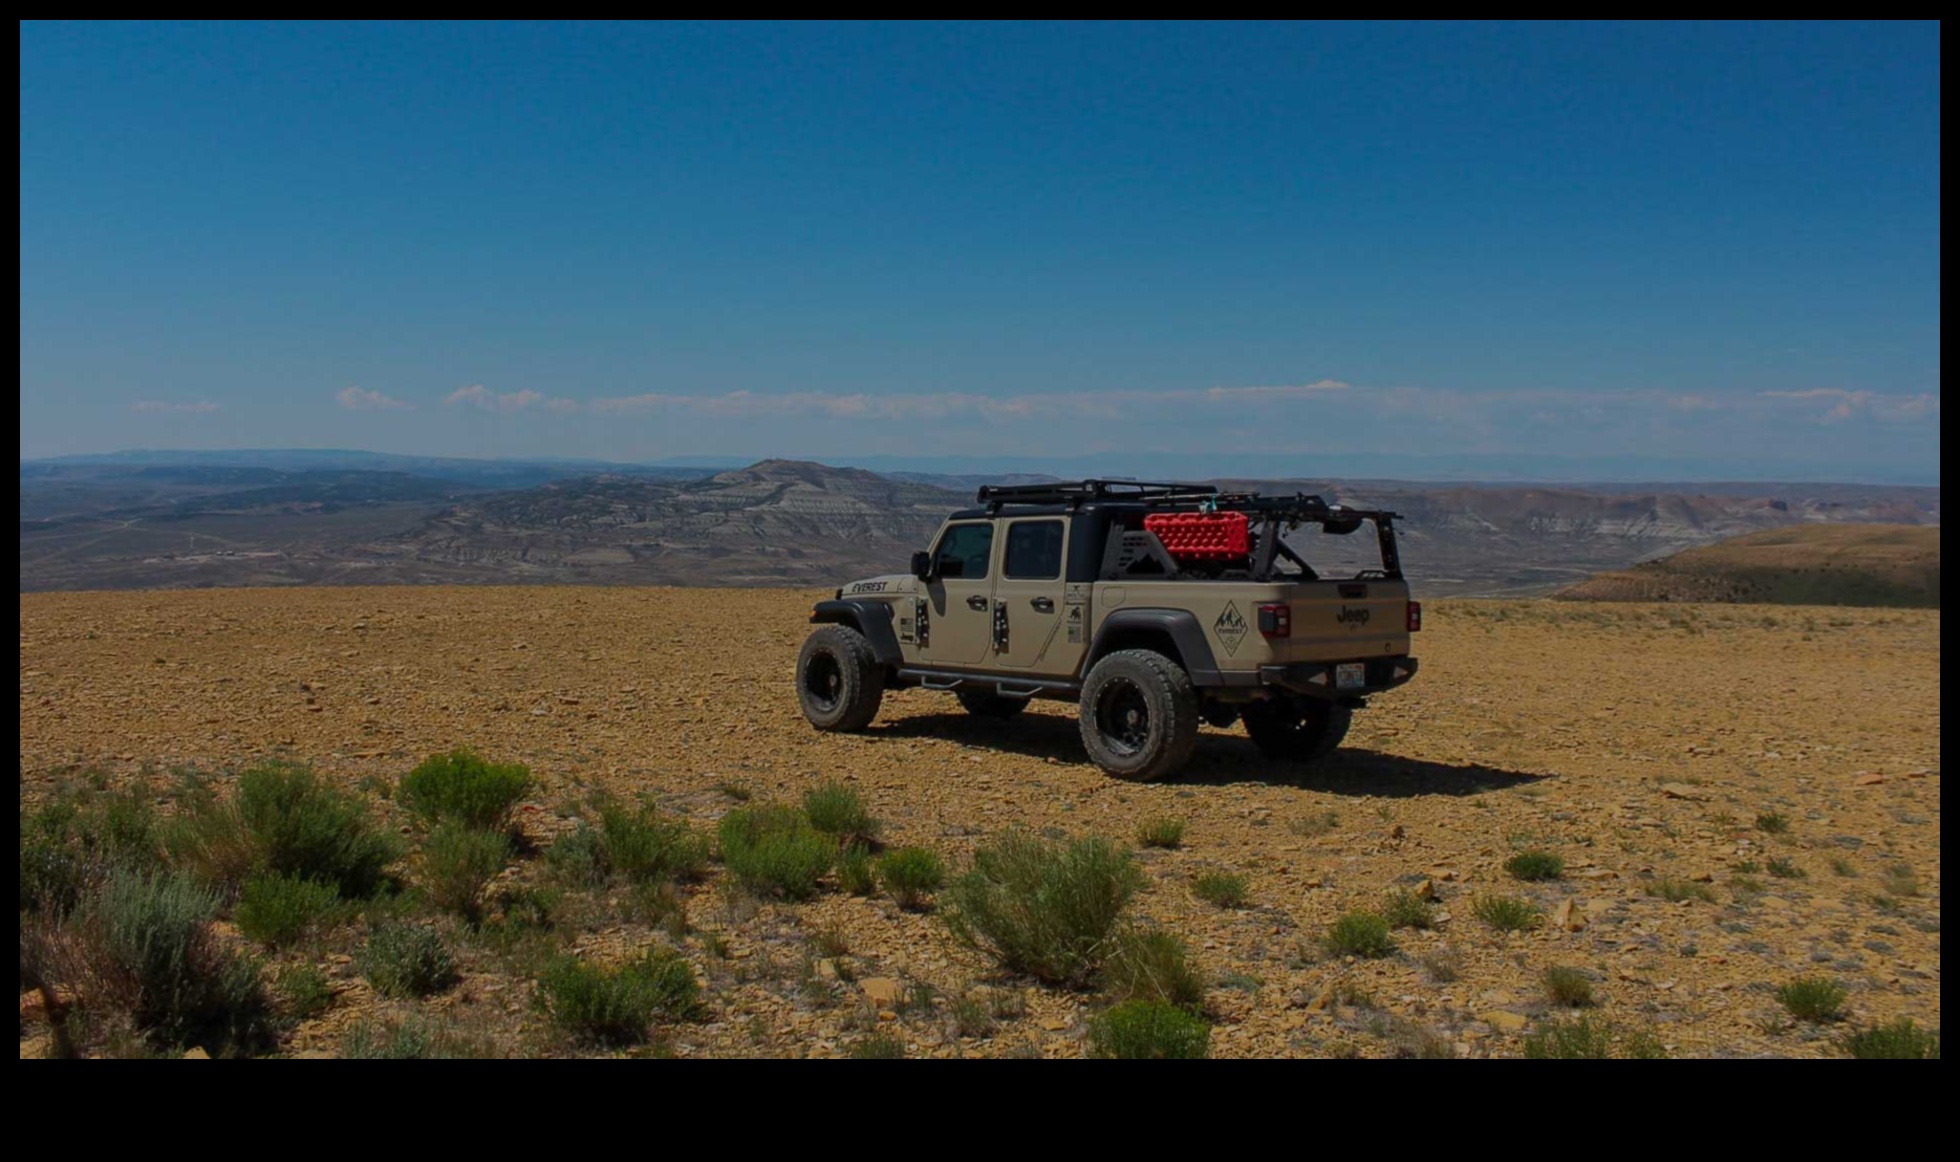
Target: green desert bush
column 1813, row 998
column 1589, row 1038
column 458, row 863
column 1507, row 913
column 406, row 960
column 1407, row 910
column 1046, row 909
column 645, row 847
column 465, row 788
column 616, row 1006
column 1221, row 889
column 839, row 811
column 278, row 910
column 579, row 857
column 773, row 850
column 1535, row 865
column 1773, row 823
column 284, row 820
column 305, row 990
column 1153, row 965
column 1162, row 832
column 1359, row 933
column 1148, row 1030
column 911, row 875
column 1899, row 1040
column 411, row 1038
column 1567, row 986
column 857, row 870
column 878, row 1047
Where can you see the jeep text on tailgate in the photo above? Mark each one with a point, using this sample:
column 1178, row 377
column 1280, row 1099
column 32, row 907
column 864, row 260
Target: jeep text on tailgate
column 1153, row 606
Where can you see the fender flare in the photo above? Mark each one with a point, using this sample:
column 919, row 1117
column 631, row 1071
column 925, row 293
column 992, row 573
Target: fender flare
column 873, row 619
column 1177, row 624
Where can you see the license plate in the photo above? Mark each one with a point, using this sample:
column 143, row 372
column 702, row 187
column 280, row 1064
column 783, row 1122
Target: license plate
column 1350, row 676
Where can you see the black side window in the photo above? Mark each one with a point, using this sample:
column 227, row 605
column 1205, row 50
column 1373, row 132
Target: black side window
column 1034, row 550
column 964, row 550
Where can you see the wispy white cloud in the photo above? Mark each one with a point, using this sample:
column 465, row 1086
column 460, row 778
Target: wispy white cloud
column 361, row 399
column 1841, row 404
column 478, row 396
column 940, row 405
column 192, row 407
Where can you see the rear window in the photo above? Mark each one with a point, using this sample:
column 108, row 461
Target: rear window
column 1034, row 550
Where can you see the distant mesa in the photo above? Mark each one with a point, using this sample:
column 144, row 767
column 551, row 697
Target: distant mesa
column 1814, row 564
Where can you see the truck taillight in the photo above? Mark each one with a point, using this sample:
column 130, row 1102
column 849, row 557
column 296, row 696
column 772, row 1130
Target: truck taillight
column 1276, row 620
column 1415, row 616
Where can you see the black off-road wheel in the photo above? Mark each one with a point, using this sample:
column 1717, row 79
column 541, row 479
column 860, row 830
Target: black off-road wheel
column 987, row 704
column 1297, row 730
column 1139, row 715
column 838, row 679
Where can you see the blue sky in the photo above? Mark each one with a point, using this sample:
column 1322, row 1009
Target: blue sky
column 1701, row 243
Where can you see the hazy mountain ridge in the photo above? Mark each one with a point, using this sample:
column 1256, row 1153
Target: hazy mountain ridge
column 783, row 522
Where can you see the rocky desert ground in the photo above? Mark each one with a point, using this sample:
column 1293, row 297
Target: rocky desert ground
column 1741, row 796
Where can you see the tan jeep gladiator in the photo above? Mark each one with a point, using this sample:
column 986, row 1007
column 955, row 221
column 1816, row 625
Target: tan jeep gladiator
column 1152, row 606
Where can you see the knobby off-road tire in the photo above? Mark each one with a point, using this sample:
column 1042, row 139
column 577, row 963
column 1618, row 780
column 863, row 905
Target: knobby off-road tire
column 985, row 704
column 1298, row 730
column 838, row 679
column 1139, row 715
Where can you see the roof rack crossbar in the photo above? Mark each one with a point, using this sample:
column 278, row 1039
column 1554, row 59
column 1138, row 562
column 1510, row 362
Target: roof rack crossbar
column 1077, row 491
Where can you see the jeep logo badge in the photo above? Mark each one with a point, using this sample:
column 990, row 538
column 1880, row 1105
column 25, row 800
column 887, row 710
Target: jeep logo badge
column 1355, row 618
column 1230, row 627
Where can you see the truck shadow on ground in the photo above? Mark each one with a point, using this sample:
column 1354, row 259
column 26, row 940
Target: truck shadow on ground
column 1222, row 758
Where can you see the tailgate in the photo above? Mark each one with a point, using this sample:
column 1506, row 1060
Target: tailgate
column 1346, row 619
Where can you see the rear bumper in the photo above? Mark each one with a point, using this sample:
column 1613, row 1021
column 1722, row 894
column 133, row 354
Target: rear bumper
column 1316, row 679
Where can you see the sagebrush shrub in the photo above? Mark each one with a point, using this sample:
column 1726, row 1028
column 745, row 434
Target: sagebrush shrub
column 1047, row 909
column 464, row 787
column 1162, row 832
column 579, row 857
column 773, row 850
column 1899, row 1040
column 306, row 990
column 1535, row 865
column 1359, row 933
column 1148, row 1030
column 278, row 910
column 857, row 870
column 1813, row 998
column 1221, row 889
column 284, row 820
column 643, row 846
column 1568, row 986
column 406, row 960
column 1405, row 909
column 1507, row 913
column 1153, row 965
column 458, row 863
column 836, row 809
column 910, row 874
column 616, row 1006
column 148, row 951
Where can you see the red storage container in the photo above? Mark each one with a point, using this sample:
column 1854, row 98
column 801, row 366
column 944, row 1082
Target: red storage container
column 1203, row 536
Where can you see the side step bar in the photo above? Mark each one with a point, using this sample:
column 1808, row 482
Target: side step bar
column 993, row 683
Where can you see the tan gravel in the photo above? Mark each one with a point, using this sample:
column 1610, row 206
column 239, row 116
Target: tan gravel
column 1638, row 742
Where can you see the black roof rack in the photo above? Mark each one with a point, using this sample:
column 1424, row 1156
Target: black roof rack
column 1078, row 491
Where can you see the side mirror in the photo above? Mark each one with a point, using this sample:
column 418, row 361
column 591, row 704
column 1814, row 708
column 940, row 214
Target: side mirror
column 922, row 565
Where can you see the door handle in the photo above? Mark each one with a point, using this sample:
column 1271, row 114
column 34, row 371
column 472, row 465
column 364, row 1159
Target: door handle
column 976, row 602
column 1043, row 604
